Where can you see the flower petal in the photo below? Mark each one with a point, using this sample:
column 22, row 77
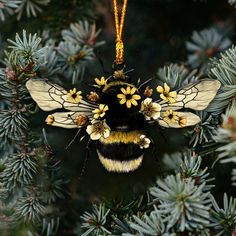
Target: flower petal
column 128, row 90
column 136, row 97
column 166, row 113
column 96, row 116
column 123, row 101
column 175, row 113
column 121, row 96
column 156, row 106
column 133, row 90
column 134, row 102
column 163, row 97
column 102, row 114
column 156, row 115
column 167, row 88
column 147, row 140
column 147, row 101
column 89, row 129
column 95, row 136
column 102, row 81
column 171, row 100
column 78, row 99
column 95, row 111
column 167, row 120
column 97, row 81
column 123, row 90
column 106, row 133
column 106, row 108
column 128, row 103
column 173, row 94
column 101, row 107
column 160, row 89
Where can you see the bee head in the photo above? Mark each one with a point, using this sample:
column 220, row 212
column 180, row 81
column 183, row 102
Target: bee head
column 119, row 72
column 118, row 78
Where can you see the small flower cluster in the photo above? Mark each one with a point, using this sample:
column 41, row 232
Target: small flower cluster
column 152, row 110
column 98, row 127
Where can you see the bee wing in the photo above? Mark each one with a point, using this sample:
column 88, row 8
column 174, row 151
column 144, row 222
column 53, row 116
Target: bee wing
column 185, row 119
column 51, row 96
column 195, row 96
column 65, row 120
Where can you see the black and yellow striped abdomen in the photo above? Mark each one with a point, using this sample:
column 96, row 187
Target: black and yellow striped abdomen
column 120, row 151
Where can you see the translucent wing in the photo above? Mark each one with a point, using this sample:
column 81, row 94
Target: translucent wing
column 50, row 96
column 68, row 120
column 195, row 96
column 182, row 119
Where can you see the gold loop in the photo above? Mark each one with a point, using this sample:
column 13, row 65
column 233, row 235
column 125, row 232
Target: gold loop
column 119, row 30
column 119, row 52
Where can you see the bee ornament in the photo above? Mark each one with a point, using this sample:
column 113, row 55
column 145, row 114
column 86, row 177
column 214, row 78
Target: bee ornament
column 116, row 113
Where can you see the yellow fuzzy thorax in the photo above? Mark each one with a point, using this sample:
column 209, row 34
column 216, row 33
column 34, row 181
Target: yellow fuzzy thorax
column 116, row 83
column 122, row 137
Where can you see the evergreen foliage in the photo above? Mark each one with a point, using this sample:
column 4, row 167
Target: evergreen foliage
column 42, row 191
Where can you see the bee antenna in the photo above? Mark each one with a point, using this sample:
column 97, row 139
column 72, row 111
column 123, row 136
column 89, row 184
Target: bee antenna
column 145, row 82
column 128, row 71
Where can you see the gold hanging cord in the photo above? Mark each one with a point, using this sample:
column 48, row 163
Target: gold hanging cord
column 119, row 28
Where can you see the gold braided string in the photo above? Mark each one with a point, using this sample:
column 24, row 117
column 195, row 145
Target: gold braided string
column 119, row 30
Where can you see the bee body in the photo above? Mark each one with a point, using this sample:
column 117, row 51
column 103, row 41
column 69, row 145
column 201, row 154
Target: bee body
column 120, row 152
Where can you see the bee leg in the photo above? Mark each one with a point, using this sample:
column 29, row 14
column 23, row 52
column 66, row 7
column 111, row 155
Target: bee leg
column 163, row 135
column 72, row 141
column 85, row 160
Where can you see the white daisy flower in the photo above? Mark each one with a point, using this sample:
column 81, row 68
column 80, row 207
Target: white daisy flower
column 98, row 129
column 151, row 110
column 144, row 142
